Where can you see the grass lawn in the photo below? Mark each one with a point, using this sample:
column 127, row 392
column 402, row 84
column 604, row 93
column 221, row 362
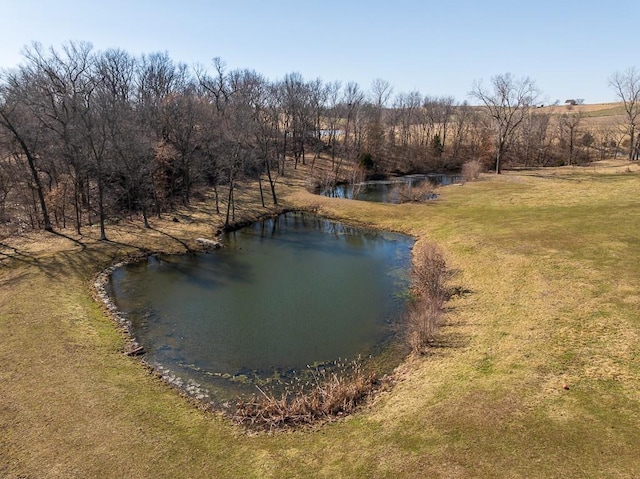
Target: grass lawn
column 536, row 374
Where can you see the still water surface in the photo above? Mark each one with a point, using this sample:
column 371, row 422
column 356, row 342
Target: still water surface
column 388, row 191
column 282, row 294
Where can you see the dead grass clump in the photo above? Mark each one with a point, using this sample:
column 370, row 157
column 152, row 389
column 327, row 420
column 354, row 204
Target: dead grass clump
column 415, row 194
column 471, row 170
column 423, row 321
column 430, row 273
column 329, row 394
column 425, row 312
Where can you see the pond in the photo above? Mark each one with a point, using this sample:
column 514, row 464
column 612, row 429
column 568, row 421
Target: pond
column 391, row 190
column 282, row 294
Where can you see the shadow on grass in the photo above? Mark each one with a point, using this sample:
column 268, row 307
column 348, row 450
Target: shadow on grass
column 85, row 260
column 16, row 254
column 68, row 264
column 185, row 245
column 78, row 242
column 558, row 177
column 120, row 244
column 450, row 338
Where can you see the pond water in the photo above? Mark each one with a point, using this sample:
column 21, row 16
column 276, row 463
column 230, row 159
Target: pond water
column 391, row 190
column 283, row 293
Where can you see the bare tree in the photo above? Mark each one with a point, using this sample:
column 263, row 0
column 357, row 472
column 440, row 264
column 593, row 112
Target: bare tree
column 407, row 132
column 532, row 143
column 439, row 111
column 254, row 120
column 216, row 86
column 568, row 124
column 381, row 91
column 627, row 88
column 6, row 184
column 299, row 116
column 462, row 122
column 352, row 100
column 26, row 137
column 318, row 94
column 59, row 87
column 215, row 90
column 380, row 94
column 129, row 138
column 605, row 140
column 333, row 118
column 49, row 101
column 507, row 101
column 266, row 119
column 181, row 113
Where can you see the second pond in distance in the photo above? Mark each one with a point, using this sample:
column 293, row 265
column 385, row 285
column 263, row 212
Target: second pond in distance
column 283, row 293
column 393, row 190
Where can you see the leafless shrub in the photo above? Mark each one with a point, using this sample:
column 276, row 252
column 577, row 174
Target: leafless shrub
column 331, row 393
column 471, row 170
column 415, row 194
column 423, row 321
column 429, row 273
column 425, row 312
column 356, row 176
column 320, row 179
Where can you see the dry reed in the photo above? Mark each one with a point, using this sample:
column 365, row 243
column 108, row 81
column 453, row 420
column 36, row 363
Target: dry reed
column 415, row 194
column 425, row 311
column 331, row 393
column 471, row 170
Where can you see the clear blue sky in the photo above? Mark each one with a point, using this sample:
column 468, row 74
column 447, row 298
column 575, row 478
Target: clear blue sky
column 569, row 47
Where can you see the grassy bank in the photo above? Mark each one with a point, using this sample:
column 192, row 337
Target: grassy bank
column 537, row 372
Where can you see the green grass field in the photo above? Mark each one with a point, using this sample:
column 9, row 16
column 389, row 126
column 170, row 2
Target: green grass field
column 536, row 373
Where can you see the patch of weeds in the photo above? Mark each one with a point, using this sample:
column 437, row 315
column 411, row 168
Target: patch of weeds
column 330, row 393
column 485, row 366
column 429, row 293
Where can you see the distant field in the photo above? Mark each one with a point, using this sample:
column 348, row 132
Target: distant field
column 595, row 108
column 596, row 116
column 612, row 112
column 601, row 119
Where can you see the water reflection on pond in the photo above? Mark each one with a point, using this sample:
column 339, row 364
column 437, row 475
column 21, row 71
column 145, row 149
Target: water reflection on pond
column 391, row 190
column 284, row 293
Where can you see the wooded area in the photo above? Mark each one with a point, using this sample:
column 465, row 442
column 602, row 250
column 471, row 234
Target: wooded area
column 86, row 136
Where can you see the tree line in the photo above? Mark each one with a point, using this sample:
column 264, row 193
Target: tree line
column 89, row 135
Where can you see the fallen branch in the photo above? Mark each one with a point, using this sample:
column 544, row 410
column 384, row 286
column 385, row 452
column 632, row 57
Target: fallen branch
column 136, row 351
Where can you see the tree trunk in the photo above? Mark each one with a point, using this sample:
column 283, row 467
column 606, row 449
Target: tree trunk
column 499, row 155
column 284, row 152
column 103, row 234
column 76, row 205
column 260, row 186
column 229, row 201
column 88, row 200
column 271, row 180
column 144, row 215
column 34, row 172
column 215, row 193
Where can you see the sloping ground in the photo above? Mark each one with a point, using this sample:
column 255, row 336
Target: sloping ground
column 594, row 117
column 537, row 373
column 589, row 109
